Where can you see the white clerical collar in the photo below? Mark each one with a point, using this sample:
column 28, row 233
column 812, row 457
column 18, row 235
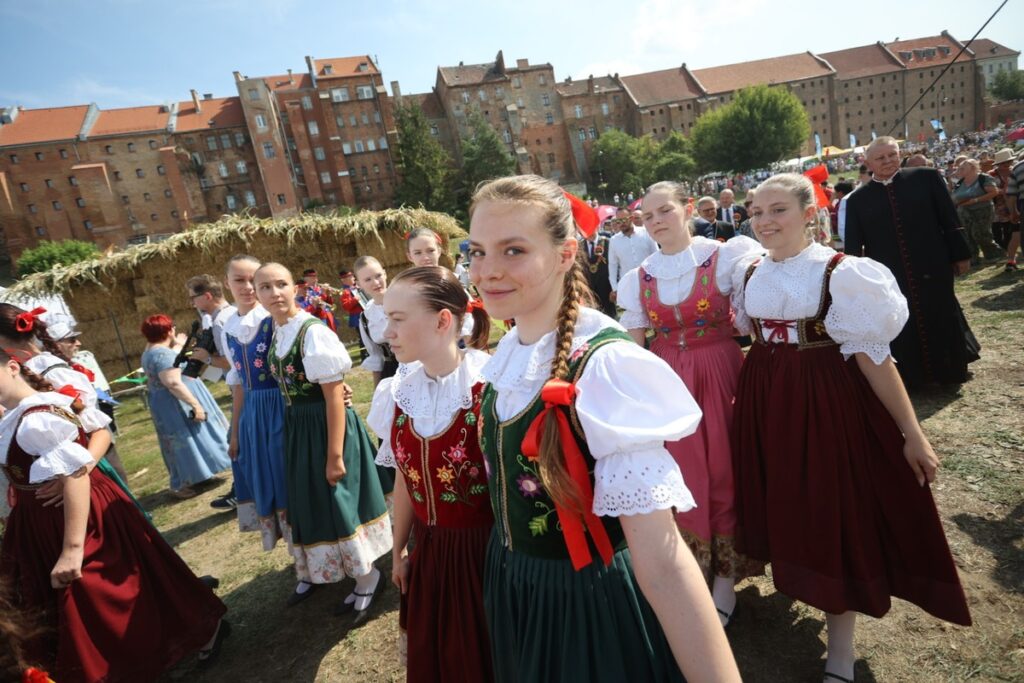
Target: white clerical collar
column 887, row 181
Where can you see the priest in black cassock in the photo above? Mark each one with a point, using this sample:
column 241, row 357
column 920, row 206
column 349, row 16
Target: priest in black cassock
column 594, row 251
column 906, row 220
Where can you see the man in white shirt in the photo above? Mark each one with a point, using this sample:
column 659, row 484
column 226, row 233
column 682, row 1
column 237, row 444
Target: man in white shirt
column 627, row 249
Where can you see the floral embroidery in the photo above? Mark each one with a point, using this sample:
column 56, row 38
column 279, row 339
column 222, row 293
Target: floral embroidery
column 461, row 476
column 290, row 369
column 400, row 420
column 261, row 347
column 703, row 305
column 413, row 476
column 578, row 353
column 445, row 475
column 470, row 418
column 529, row 485
column 257, row 363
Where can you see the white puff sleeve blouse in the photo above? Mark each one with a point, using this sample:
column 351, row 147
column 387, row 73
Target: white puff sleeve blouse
column 49, row 437
column 323, row 355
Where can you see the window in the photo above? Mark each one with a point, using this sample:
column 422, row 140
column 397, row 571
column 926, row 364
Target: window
column 147, row 196
column 64, row 153
column 139, row 173
column 352, row 120
column 359, row 146
column 307, row 102
column 225, row 141
column 581, row 134
column 549, row 118
column 346, row 148
column 365, row 172
column 131, row 146
column 325, row 178
column 546, row 99
column 222, row 168
column 365, row 118
column 542, row 80
column 519, row 102
column 340, row 120
column 339, row 94
column 364, row 92
column 261, row 122
column 318, row 153
column 578, row 110
column 376, row 169
column 211, row 141
column 39, row 156
column 465, row 97
column 371, row 146
column 551, row 158
column 433, row 130
column 109, row 149
column 117, row 175
column 268, row 150
column 174, row 214
column 604, row 108
column 517, row 82
column 49, row 183
column 14, row 158
column 250, row 198
column 281, row 200
column 239, row 138
column 230, row 201
column 87, row 225
column 314, row 129
column 352, row 172
column 23, row 186
column 152, row 144
column 57, row 206
column 79, row 202
column 254, row 94
column 376, row 116
column 593, row 133
column 160, row 170
column 240, row 167
column 40, row 230
column 482, row 94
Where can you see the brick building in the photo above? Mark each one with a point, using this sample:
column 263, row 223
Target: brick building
column 589, row 108
column 992, row 58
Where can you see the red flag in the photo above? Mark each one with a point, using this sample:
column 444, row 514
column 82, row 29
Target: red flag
column 586, row 218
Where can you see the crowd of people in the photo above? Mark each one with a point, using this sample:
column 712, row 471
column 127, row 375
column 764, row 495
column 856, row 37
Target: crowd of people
column 577, row 503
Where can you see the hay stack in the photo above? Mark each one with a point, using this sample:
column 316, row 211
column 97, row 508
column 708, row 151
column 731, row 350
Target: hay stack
column 146, row 279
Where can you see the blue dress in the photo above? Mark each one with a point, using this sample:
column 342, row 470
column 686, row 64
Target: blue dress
column 192, row 451
column 261, row 433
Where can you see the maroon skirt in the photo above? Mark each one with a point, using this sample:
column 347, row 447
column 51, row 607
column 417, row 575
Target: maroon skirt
column 135, row 612
column 824, row 492
column 443, row 611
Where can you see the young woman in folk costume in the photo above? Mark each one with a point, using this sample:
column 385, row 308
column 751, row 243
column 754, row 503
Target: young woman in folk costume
column 257, row 417
column 831, row 464
column 117, row 603
column 336, row 508
column 373, row 280
column 423, row 248
column 682, row 293
column 23, row 335
column 428, row 415
column 587, row 577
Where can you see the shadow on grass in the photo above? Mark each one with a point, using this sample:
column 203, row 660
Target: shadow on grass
column 929, row 400
column 186, row 532
column 1007, row 300
column 773, row 641
column 1003, row 538
column 271, row 642
column 161, row 499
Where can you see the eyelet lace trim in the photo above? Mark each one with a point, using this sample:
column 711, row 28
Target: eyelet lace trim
column 639, row 482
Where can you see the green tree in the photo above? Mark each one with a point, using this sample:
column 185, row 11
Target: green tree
column 484, row 156
column 616, row 159
column 762, row 125
column 629, row 164
column 49, row 254
column 427, row 171
column 674, row 159
column 1008, row 85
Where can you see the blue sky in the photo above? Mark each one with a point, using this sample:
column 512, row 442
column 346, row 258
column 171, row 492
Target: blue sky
column 121, row 53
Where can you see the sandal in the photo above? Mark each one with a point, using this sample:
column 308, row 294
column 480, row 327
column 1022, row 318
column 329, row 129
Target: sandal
column 207, row 655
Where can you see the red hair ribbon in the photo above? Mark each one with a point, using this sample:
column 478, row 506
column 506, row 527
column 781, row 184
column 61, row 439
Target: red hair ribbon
column 85, row 371
column 584, row 215
column 24, row 322
column 68, row 390
column 33, row 675
column 437, row 237
column 557, row 393
column 18, row 355
column 817, row 176
column 474, row 305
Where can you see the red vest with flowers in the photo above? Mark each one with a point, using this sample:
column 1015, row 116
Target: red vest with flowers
column 704, row 317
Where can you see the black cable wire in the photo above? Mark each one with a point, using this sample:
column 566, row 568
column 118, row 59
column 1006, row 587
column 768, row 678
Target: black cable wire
column 927, row 90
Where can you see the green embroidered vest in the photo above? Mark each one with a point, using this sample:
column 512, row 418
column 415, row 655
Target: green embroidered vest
column 524, row 514
column 290, row 373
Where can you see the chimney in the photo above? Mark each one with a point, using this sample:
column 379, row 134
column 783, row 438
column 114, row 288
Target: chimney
column 237, row 75
column 522, row 63
column 311, row 67
column 207, row 95
column 396, row 92
column 290, row 79
column 590, row 84
column 195, row 99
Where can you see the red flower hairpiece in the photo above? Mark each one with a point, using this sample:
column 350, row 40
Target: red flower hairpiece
column 474, row 305
column 25, row 322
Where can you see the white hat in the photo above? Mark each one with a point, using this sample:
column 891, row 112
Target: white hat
column 62, row 328
column 1003, row 155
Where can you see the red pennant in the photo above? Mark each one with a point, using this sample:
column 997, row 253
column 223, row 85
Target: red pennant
column 584, row 215
column 558, row 392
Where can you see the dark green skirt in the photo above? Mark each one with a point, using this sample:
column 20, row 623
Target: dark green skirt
column 336, row 530
column 551, row 623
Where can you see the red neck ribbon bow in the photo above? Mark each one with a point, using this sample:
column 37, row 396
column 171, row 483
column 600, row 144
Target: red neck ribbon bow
column 68, row 390
column 24, row 322
column 584, row 215
column 555, row 394
column 33, row 675
column 84, row 370
column 474, row 305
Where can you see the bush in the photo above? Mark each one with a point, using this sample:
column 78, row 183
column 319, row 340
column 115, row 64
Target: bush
column 47, row 255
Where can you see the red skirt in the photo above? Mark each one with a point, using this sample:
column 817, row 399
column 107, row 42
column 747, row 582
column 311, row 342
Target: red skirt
column 136, row 611
column 443, row 611
column 824, row 493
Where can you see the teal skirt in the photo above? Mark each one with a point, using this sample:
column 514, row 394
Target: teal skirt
column 551, row 623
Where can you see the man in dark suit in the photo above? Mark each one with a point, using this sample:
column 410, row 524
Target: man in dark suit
column 729, row 211
column 706, row 225
column 906, row 220
column 594, row 252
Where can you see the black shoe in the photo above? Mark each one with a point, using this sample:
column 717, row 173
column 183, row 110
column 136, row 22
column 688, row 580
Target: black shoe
column 297, row 597
column 837, row 677
column 730, row 617
column 211, row 582
column 226, row 502
column 207, row 656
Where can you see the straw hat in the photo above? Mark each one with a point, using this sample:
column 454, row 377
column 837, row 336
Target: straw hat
column 1003, row 155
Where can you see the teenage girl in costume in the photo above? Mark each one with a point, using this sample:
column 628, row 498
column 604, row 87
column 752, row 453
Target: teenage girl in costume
column 102, row 578
column 423, row 248
column 428, row 415
column 373, row 280
column 336, row 507
column 587, row 577
column 682, row 293
column 831, row 464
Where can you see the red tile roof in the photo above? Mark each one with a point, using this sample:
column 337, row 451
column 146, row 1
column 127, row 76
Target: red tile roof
column 43, row 125
column 935, row 56
column 343, row 67
column 218, row 112
column 471, row 74
column 428, row 102
column 659, row 87
column 861, row 62
column 148, row 119
column 798, row 67
column 986, row 49
column 298, row 81
column 581, row 87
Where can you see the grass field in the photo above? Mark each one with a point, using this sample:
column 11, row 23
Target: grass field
column 978, row 432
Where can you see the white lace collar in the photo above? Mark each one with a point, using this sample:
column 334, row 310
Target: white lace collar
column 677, row 265
column 244, row 326
column 284, row 335
column 799, row 264
column 515, row 364
column 11, row 417
column 422, row 396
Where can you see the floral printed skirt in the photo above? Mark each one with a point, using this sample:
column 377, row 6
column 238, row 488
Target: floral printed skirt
column 339, row 530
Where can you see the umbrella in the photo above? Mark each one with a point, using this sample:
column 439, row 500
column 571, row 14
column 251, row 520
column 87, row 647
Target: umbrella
column 636, row 204
column 1016, row 135
column 606, row 211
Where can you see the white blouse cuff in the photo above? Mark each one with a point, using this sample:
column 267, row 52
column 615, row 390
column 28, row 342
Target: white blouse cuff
column 634, row 320
column 93, row 419
column 639, row 482
column 66, row 458
column 386, row 456
column 877, row 352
